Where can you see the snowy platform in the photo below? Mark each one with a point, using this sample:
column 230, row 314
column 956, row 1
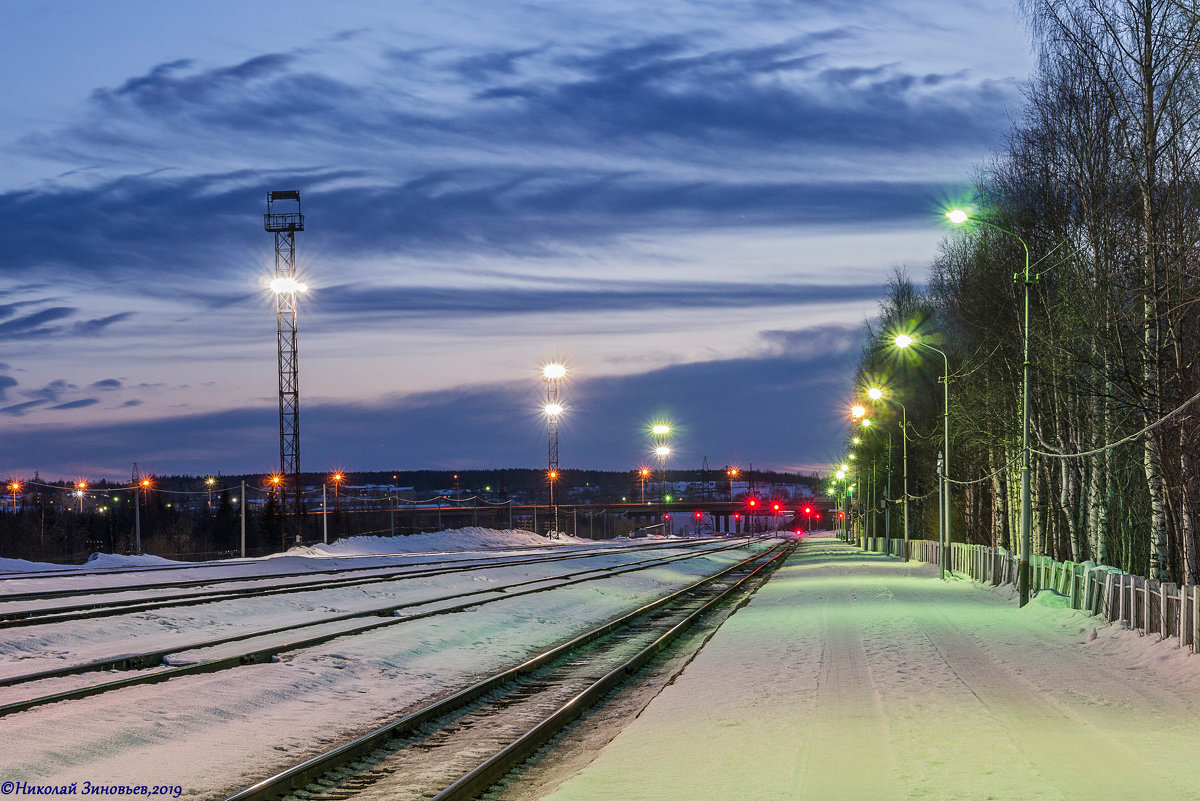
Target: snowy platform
column 856, row 676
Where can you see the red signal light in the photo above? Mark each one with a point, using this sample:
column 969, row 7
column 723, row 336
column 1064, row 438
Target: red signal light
column 666, row 517
column 776, row 507
column 841, row 515
column 808, row 510
column 737, row 516
column 753, row 502
column 699, row 515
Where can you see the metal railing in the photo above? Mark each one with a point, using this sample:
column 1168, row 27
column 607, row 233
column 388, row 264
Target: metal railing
column 1145, row 605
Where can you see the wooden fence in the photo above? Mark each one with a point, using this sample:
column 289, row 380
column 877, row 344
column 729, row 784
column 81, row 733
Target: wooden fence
column 1145, row 605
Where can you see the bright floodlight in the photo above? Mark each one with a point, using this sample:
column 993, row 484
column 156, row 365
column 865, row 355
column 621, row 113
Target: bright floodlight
column 856, row 441
column 903, row 340
column 874, row 393
column 554, row 371
column 957, row 216
column 857, row 411
column 844, row 468
column 662, row 451
column 660, row 429
column 866, row 421
column 553, row 409
column 287, row 285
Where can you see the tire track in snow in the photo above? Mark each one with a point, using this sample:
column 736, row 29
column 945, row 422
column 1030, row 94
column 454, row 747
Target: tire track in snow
column 850, row 755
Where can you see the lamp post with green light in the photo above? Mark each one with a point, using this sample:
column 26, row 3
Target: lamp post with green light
column 876, row 393
column 958, row 217
column 905, row 341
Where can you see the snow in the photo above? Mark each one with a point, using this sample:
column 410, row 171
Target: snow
column 220, row 732
column 848, row 676
column 463, row 539
column 860, row 677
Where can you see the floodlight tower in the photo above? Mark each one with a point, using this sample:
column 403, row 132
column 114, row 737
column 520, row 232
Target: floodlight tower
column 284, row 223
column 552, row 374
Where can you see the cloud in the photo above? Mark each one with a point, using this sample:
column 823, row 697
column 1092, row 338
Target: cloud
column 75, row 404
column 36, row 324
column 107, row 383
column 497, row 425
column 6, row 383
column 19, row 409
column 587, row 296
column 836, row 340
column 93, row 327
column 52, row 391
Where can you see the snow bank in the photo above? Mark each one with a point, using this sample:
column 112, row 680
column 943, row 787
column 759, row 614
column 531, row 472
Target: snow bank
column 471, row 538
column 94, row 561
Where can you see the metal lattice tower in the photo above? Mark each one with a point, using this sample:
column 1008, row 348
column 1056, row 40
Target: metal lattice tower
column 284, row 223
column 552, row 425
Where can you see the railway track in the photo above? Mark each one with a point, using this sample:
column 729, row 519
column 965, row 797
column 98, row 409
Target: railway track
column 456, row 748
column 156, row 666
column 13, row 618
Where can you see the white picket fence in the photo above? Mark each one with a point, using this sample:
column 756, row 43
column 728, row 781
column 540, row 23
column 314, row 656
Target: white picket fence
column 1146, row 605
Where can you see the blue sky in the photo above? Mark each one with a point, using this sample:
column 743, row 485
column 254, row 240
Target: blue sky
column 695, row 205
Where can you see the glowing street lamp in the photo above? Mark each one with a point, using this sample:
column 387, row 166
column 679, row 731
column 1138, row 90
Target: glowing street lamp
column 337, row 478
column 209, row 483
column 643, row 474
column 15, row 487
column 906, row 341
column 80, row 488
column 958, row 217
column 732, row 473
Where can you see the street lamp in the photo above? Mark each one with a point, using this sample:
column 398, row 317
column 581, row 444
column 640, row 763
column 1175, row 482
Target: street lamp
column 15, row 486
column 876, row 393
column 732, row 473
column 209, row 483
column 906, row 341
column 661, row 453
column 338, row 478
column 643, row 474
column 958, row 217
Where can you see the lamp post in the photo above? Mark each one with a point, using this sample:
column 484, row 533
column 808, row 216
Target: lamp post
column 872, row 489
column 137, row 514
column 905, row 341
column 643, row 474
column 661, row 453
column 15, row 486
column 875, row 393
column 338, row 478
column 732, row 473
column 208, row 482
column 958, row 217
column 552, row 375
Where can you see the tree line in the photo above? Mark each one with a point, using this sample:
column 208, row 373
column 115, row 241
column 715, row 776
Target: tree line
column 1099, row 178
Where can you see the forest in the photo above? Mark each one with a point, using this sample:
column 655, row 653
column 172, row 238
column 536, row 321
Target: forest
column 1096, row 189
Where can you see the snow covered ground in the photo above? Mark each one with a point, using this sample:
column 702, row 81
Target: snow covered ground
column 221, row 732
column 854, row 676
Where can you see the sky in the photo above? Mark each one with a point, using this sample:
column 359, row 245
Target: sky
column 695, row 205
